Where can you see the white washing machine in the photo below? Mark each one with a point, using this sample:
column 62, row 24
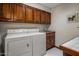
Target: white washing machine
column 20, row 43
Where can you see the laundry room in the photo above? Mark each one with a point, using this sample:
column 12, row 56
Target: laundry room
column 39, row 29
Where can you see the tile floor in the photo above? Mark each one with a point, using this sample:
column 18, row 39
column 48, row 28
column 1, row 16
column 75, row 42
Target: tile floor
column 54, row 52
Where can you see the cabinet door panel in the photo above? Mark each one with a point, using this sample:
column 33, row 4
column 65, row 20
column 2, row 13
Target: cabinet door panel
column 45, row 17
column 5, row 12
column 50, row 40
column 43, row 20
column 1, row 11
column 29, row 15
column 37, row 14
column 48, row 18
column 18, row 12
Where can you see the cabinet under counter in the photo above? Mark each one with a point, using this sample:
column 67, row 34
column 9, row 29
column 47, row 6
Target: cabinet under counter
column 71, row 48
column 50, row 40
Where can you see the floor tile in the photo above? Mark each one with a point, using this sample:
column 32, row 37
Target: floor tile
column 54, row 52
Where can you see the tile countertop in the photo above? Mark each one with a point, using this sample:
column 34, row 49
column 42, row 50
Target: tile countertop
column 72, row 44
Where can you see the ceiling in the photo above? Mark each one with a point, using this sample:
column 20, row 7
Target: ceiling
column 50, row 5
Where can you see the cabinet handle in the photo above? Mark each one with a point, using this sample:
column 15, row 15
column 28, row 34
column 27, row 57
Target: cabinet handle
column 27, row 45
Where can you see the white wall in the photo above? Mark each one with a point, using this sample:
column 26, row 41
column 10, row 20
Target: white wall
column 64, row 31
column 7, row 25
column 39, row 6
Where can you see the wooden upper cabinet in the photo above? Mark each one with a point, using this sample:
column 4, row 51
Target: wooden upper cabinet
column 29, row 14
column 37, row 16
column 5, row 12
column 45, row 17
column 43, row 20
column 18, row 12
column 48, row 17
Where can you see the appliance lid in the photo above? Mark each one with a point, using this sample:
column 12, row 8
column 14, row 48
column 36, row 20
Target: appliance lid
column 18, row 35
column 22, row 30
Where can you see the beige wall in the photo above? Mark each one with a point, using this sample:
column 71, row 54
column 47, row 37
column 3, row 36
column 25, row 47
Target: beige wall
column 64, row 31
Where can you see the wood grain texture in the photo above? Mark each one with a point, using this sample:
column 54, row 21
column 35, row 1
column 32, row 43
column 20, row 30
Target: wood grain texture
column 18, row 13
column 21, row 13
column 37, row 16
column 5, row 12
column 69, row 51
column 50, row 40
column 29, row 14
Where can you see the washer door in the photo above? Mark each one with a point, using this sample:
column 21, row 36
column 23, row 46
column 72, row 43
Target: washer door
column 19, row 47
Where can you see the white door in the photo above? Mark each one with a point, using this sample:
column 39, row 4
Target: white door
column 19, row 47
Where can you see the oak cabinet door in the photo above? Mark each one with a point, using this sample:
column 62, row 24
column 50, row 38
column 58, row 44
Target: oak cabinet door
column 5, row 12
column 50, row 40
column 37, row 16
column 18, row 12
column 43, row 20
column 48, row 18
column 29, row 14
column 45, row 17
